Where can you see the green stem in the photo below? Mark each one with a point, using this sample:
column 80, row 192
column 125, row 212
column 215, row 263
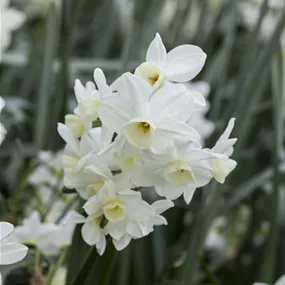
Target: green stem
column 37, row 259
column 55, row 267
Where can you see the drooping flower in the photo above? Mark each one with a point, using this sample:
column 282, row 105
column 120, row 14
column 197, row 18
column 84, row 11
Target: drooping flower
column 181, row 64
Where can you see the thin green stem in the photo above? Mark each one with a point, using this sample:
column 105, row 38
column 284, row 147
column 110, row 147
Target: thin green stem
column 55, row 267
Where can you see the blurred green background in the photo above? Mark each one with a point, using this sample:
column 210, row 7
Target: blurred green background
column 230, row 234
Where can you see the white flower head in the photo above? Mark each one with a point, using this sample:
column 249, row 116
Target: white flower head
column 126, row 214
column 180, row 170
column 92, row 232
column 61, row 238
column 33, row 231
column 181, row 64
column 134, row 113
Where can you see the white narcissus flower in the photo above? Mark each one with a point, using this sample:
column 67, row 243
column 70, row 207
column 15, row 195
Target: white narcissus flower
column 124, row 210
column 89, row 99
column 89, row 180
column 147, row 139
column 11, row 20
column 93, row 141
column 148, row 120
column 61, row 238
column 224, row 146
column 280, row 281
column 92, row 232
column 33, row 231
column 2, row 129
column 181, row 64
column 180, row 170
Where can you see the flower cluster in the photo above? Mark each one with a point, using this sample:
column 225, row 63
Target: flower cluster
column 139, row 132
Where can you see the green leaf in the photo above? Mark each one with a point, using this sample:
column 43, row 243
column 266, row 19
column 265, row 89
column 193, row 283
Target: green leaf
column 102, row 269
column 44, row 106
column 76, row 255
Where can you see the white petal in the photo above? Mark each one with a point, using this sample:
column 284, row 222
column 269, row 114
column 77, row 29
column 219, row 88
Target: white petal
column 67, row 136
column 123, row 242
column 101, row 245
column 101, row 83
column 134, row 229
column 137, row 91
column 156, row 51
column 93, row 207
column 188, row 194
column 174, row 130
column 281, row 281
column 124, row 148
column 141, row 212
column 117, row 229
column 162, row 205
column 184, row 63
column 168, row 191
column 159, row 220
column 5, row 229
column 114, row 113
column 74, row 218
column 2, row 104
column 223, row 169
column 13, row 18
column 90, row 233
column 11, row 252
column 173, row 101
column 228, row 130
